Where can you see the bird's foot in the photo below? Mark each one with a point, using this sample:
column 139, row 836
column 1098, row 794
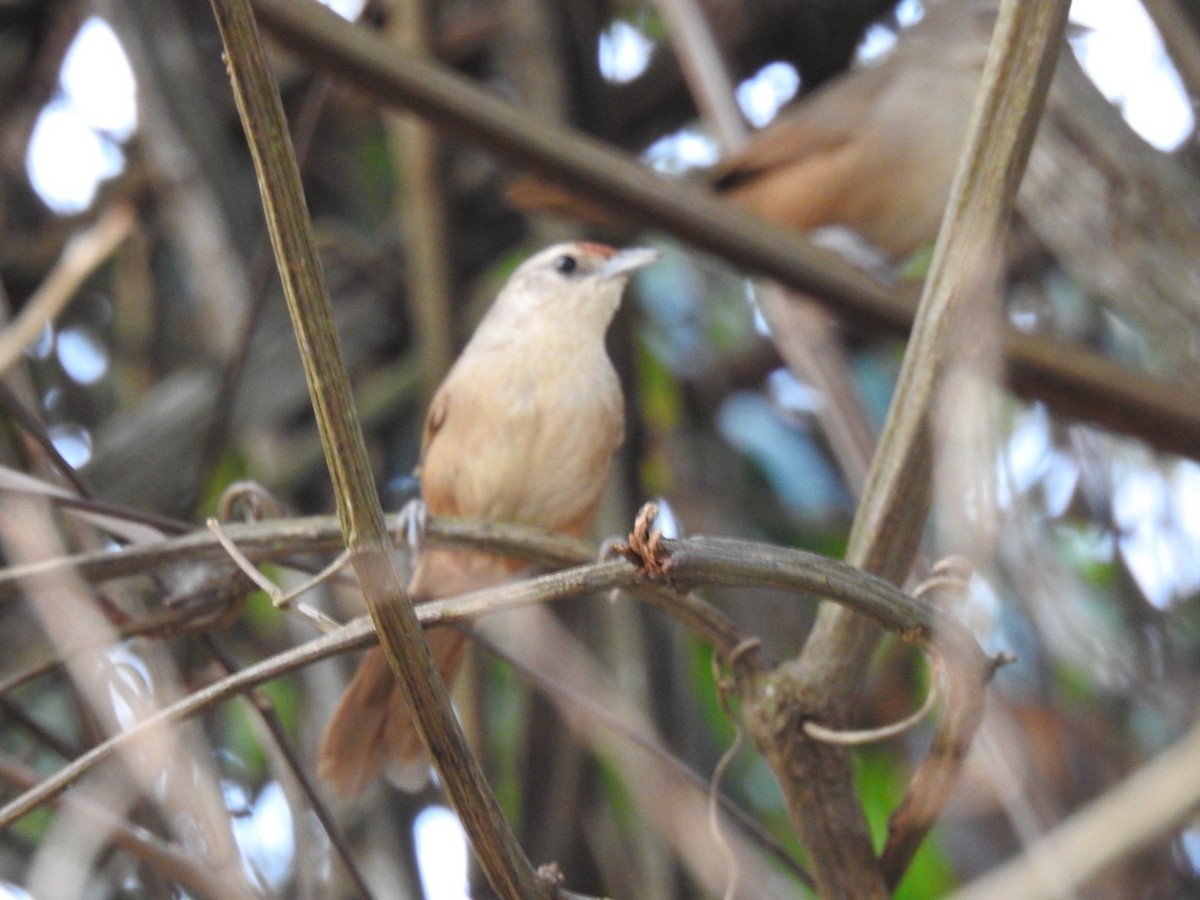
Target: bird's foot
column 413, row 517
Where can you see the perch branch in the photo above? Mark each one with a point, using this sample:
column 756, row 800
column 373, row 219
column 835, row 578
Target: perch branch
column 694, row 560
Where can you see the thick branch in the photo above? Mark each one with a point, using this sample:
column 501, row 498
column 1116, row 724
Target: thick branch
column 888, row 524
column 258, row 102
column 1080, row 383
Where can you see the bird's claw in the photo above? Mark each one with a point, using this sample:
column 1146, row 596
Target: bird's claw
column 413, row 517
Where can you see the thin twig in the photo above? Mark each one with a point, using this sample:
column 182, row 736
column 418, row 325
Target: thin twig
column 597, row 712
column 165, row 859
column 804, row 333
column 83, row 254
column 1160, row 796
column 674, row 809
column 724, row 689
column 12, row 710
column 24, row 415
column 70, row 620
column 695, row 559
column 262, row 704
column 415, row 148
column 357, row 633
column 810, row 343
column 285, row 601
column 861, row 736
column 704, row 70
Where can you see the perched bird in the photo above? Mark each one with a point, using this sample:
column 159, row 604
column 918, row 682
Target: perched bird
column 874, row 150
column 523, row 430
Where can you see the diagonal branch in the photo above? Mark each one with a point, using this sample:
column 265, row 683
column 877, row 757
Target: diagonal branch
column 1158, row 797
column 891, row 517
column 85, row 253
column 1076, row 381
column 165, row 859
column 259, row 106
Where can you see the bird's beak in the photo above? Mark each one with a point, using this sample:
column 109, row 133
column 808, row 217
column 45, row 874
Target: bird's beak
column 626, row 261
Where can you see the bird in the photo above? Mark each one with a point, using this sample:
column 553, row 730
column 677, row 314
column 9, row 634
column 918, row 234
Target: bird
column 874, row 151
column 522, row 430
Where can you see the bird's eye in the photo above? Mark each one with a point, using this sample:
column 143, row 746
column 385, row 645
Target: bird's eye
column 566, row 265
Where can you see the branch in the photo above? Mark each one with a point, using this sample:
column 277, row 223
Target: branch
column 355, row 634
column 693, row 560
column 283, row 540
column 662, row 789
column 1160, row 796
column 704, row 70
column 827, row 676
column 1078, row 382
column 414, row 148
column 165, row 859
column 496, row 847
column 82, row 255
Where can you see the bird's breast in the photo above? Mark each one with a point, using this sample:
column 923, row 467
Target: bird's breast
column 531, row 442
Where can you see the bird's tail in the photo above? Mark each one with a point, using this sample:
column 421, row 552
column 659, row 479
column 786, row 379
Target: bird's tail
column 372, row 731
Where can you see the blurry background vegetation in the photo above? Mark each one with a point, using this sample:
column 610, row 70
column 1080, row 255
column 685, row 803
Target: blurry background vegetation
column 172, row 373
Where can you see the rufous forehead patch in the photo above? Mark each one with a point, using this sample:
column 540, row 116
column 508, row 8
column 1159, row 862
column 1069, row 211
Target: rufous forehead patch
column 604, row 251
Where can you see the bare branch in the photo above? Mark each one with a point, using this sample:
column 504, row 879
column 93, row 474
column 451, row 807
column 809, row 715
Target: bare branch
column 1150, row 802
column 1082, row 383
column 85, row 253
column 501, row 857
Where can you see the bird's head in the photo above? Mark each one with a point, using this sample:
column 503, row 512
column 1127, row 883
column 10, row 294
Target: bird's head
column 578, row 281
